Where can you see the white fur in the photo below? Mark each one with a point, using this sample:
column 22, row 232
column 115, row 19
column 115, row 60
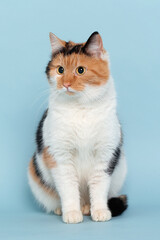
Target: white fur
column 82, row 132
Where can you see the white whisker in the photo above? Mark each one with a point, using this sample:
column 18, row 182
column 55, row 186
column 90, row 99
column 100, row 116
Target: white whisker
column 44, row 93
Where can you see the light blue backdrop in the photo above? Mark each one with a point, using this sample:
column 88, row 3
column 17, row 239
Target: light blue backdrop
column 130, row 32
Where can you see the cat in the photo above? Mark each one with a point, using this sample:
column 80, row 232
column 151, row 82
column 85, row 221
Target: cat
column 79, row 165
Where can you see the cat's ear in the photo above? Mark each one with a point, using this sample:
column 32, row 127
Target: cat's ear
column 56, row 43
column 94, row 45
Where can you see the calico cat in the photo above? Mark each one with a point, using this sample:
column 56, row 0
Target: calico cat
column 79, row 165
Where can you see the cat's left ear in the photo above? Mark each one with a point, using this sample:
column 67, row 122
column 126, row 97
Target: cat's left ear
column 94, row 45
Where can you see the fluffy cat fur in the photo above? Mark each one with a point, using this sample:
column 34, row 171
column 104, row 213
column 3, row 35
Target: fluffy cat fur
column 79, row 165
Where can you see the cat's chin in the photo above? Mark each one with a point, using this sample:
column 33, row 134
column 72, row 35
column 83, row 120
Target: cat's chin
column 69, row 92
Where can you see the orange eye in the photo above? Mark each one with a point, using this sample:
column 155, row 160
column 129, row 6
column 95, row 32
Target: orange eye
column 80, row 70
column 60, row 70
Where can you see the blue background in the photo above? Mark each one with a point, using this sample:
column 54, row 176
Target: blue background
column 130, row 32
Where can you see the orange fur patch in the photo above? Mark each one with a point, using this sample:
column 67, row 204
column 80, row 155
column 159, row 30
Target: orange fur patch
column 34, row 176
column 48, row 159
column 97, row 70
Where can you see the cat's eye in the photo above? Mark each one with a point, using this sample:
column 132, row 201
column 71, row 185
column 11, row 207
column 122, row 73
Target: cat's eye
column 80, row 70
column 60, row 70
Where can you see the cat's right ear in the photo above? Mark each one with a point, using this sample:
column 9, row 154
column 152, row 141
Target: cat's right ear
column 56, row 43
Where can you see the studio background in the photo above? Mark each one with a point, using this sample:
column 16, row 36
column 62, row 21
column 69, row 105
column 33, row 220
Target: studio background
column 131, row 35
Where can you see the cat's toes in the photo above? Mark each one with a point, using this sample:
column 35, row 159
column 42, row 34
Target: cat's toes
column 86, row 209
column 73, row 217
column 58, row 211
column 101, row 215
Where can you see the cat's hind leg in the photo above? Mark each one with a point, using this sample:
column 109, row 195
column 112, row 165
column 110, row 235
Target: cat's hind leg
column 86, row 209
column 46, row 195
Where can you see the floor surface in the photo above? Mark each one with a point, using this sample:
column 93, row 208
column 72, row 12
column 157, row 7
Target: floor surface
column 135, row 224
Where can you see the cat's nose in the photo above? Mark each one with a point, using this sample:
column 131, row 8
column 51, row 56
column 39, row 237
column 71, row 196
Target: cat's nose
column 66, row 85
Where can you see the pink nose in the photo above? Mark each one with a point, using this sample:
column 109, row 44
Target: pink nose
column 66, row 85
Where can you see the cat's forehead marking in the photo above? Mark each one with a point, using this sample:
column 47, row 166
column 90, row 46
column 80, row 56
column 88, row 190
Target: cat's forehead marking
column 69, row 48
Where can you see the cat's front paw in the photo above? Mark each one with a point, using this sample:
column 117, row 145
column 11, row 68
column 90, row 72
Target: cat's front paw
column 73, row 217
column 101, row 215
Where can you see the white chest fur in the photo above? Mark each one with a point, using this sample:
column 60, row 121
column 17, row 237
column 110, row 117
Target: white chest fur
column 82, row 130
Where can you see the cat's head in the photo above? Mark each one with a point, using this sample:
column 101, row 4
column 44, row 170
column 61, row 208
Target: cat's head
column 79, row 70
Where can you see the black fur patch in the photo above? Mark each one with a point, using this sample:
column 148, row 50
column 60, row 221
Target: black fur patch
column 39, row 133
column 114, row 161
column 117, row 205
column 39, row 173
column 48, row 68
column 76, row 49
column 68, row 50
column 36, row 166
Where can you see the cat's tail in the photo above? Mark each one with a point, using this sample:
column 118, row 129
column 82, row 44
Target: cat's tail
column 117, row 205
